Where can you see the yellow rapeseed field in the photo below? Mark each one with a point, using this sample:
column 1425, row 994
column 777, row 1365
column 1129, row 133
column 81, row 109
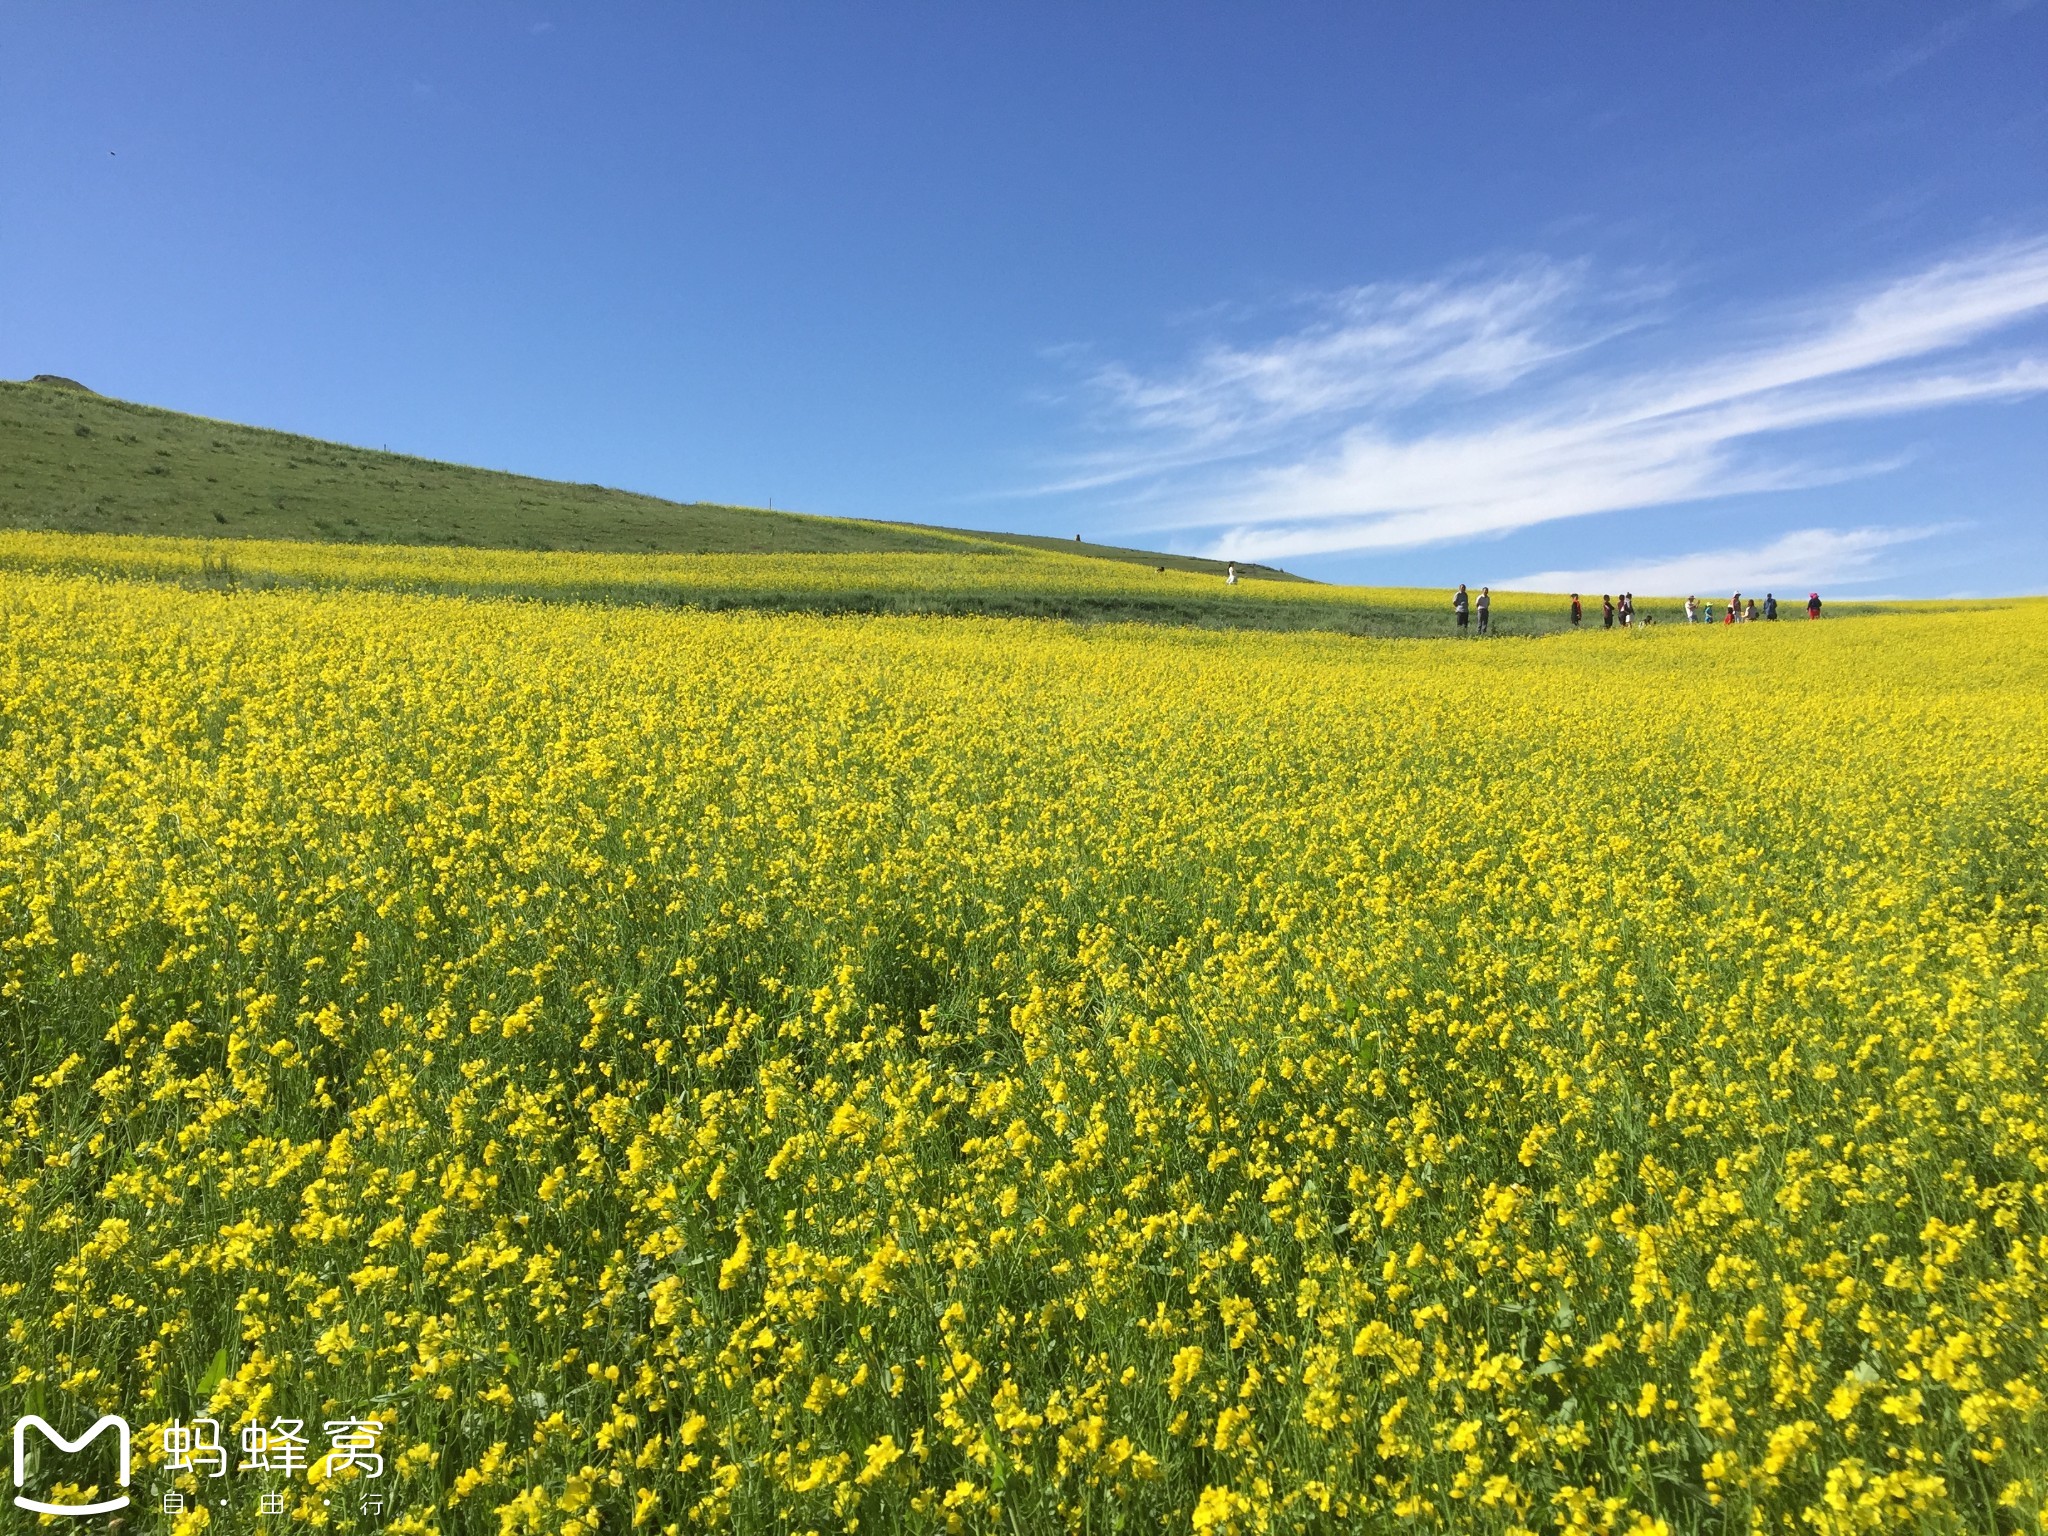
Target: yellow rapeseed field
column 1010, row 580
column 682, row 1071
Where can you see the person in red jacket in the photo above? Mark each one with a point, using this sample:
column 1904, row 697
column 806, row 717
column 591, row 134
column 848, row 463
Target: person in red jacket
column 1813, row 605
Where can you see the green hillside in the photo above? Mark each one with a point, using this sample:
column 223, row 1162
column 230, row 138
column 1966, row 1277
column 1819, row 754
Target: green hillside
column 94, row 485
column 77, row 462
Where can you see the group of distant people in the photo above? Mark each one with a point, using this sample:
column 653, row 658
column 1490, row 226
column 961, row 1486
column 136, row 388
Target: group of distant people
column 1464, row 606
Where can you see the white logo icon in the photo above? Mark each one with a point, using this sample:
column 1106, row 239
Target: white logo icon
column 106, row 1506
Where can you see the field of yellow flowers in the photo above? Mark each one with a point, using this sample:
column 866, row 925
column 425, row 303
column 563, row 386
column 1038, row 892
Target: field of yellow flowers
column 682, row 1071
column 987, row 580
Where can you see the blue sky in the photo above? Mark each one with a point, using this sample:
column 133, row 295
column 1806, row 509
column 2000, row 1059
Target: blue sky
column 1661, row 298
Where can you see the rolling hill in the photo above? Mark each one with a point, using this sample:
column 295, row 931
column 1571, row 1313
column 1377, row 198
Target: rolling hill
column 90, row 484
column 73, row 461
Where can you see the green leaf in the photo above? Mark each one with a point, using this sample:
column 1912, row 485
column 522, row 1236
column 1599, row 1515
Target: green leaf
column 216, row 1373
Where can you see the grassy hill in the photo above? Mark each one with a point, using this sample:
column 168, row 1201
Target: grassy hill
column 77, row 462
column 101, row 486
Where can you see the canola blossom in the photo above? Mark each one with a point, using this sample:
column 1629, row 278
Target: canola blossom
column 687, row 1071
column 981, row 578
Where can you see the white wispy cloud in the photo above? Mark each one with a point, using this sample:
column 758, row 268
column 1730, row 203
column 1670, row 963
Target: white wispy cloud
column 1381, row 346
column 1476, row 406
column 1386, row 343
column 1793, row 562
column 1938, row 39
